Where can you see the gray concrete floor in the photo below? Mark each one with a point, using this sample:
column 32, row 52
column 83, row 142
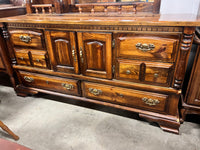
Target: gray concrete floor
column 46, row 124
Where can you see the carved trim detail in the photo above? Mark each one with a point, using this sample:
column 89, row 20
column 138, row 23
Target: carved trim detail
column 185, row 47
column 100, row 27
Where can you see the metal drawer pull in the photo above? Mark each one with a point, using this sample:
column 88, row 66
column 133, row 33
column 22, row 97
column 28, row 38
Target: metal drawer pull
column 28, row 79
column 81, row 55
column 24, row 38
column 37, row 60
column 145, row 47
column 150, row 101
column 22, row 58
column 156, row 75
column 73, row 53
column 95, row 92
column 128, row 72
column 67, row 86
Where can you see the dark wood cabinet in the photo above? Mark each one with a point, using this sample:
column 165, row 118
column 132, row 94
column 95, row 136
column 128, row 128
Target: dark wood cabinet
column 95, row 53
column 63, row 51
column 99, row 53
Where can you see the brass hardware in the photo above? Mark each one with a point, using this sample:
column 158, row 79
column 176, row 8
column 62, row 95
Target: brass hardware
column 113, row 43
column 155, row 75
column 47, row 82
column 24, row 38
column 113, row 69
column 128, row 72
column 37, row 60
column 121, row 95
column 150, row 101
column 22, row 58
column 81, row 55
column 95, row 92
column 145, row 47
column 73, row 53
column 28, row 79
column 68, row 86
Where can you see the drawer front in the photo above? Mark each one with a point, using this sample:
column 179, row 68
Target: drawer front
column 61, row 85
column 146, row 47
column 124, row 96
column 27, row 38
column 22, row 57
column 39, row 58
column 144, row 71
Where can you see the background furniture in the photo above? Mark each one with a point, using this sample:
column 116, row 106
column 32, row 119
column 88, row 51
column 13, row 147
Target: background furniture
column 191, row 100
column 123, row 58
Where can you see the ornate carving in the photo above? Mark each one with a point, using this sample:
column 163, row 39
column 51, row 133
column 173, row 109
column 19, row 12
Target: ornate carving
column 101, row 27
column 185, row 47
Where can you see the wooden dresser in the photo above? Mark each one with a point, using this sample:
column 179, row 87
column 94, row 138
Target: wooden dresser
column 134, row 63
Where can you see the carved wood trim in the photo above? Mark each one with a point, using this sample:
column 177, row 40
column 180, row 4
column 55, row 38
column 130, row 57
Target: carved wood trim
column 185, row 47
column 101, row 27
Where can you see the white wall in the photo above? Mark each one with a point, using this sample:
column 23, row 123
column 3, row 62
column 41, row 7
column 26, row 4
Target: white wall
column 179, row 6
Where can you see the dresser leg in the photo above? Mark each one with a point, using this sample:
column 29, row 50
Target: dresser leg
column 24, row 92
column 165, row 124
column 5, row 128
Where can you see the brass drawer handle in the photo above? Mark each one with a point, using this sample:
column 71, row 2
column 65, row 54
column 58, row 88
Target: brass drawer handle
column 24, row 38
column 150, row 101
column 128, row 72
column 95, row 92
column 28, row 79
column 22, row 58
column 156, row 75
column 73, row 53
column 37, row 60
column 81, row 55
column 67, row 86
column 145, row 47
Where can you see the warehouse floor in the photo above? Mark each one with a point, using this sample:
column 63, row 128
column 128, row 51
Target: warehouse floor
column 44, row 122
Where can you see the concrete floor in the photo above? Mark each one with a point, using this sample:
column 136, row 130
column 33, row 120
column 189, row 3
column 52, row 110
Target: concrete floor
column 45, row 124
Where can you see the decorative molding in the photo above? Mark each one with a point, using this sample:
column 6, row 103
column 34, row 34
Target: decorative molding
column 96, row 27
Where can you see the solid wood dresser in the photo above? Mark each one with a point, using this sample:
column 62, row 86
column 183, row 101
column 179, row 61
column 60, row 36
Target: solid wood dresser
column 132, row 63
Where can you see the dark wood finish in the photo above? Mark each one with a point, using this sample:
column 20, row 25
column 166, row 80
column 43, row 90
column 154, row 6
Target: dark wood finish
column 128, row 61
column 95, row 53
column 62, row 85
column 63, row 51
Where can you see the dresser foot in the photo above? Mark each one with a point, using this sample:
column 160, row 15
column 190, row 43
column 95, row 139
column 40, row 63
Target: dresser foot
column 24, row 92
column 165, row 124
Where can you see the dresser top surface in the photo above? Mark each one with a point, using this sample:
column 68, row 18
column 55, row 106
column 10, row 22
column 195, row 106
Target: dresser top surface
column 157, row 20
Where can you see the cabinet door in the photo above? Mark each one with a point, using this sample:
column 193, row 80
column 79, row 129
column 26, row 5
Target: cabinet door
column 62, row 51
column 95, row 54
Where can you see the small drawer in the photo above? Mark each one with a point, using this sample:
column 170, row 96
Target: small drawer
column 144, row 71
column 147, row 47
column 27, row 38
column 124, row 96
column 22, row 57
column 57, row 84
column 39, row 58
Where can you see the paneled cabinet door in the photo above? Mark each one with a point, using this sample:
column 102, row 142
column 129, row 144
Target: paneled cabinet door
column 62, row 51
column 95, row 53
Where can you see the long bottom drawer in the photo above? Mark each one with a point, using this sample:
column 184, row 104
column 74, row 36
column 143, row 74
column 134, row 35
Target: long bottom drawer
column 57, row 84
column 123, row 96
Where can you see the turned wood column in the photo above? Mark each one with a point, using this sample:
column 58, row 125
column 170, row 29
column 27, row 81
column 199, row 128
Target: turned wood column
column 185, row 47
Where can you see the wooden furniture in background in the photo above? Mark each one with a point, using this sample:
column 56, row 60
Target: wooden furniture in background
column 191, row 101
column 132, row 63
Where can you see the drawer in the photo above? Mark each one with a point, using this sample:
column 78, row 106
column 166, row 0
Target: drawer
column 22, row 57
column 27, row 38
column 147, row 47
column 57, row 84
column 144, row 71
column 39, row 58
column 124, row 96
